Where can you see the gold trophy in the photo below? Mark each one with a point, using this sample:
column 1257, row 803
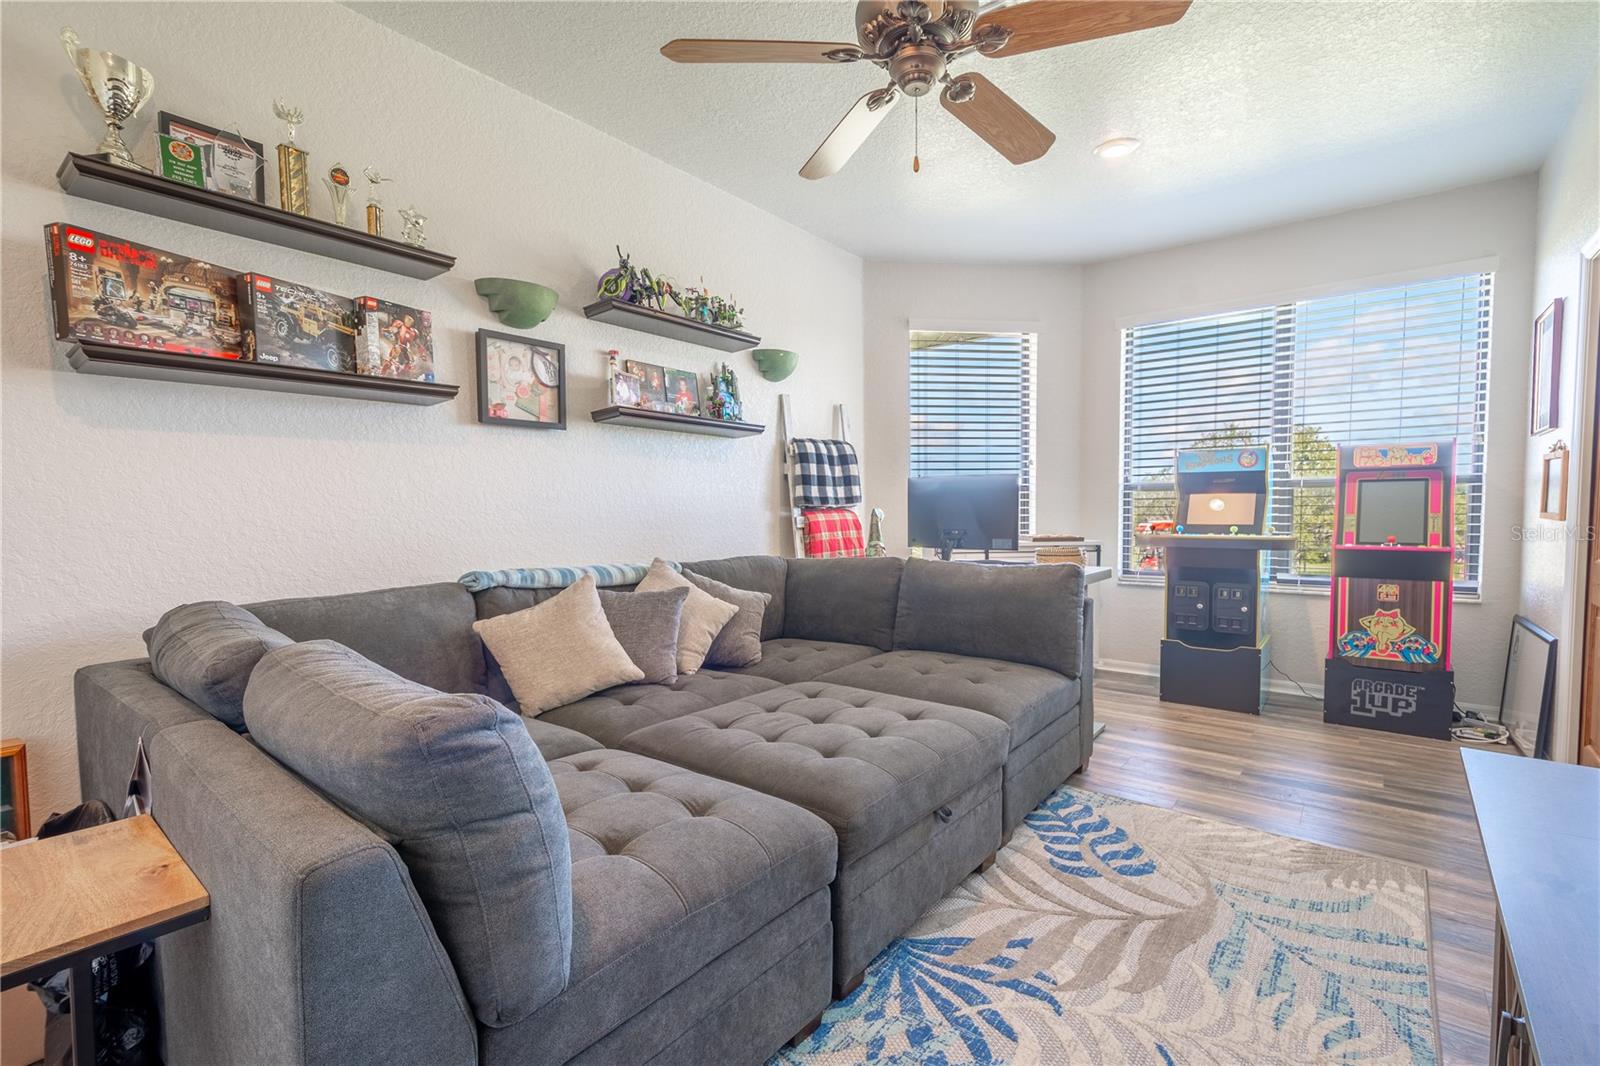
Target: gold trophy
column 294, row 178
column 118, row 86
column 374, row 202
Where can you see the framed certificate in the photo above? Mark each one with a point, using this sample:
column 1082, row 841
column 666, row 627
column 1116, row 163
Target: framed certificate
column 230, row 163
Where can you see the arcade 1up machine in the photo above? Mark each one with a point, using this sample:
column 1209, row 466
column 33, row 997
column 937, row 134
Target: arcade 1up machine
column 1214, row 652
column 1390, row 611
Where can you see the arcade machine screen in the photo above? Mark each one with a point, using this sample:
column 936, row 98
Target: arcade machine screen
column 1392, row 508
column 1222, row 509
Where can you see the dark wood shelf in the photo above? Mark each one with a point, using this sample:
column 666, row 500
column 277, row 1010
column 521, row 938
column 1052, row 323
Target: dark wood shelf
column 644, row 418
column 95, row 179
column 110, row 359
column 674, row 327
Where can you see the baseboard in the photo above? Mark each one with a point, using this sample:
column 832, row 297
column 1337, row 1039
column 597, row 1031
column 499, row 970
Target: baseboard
column 1143, row 677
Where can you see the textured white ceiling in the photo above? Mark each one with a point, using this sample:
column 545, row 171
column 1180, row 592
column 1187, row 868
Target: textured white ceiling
column 1251, row 113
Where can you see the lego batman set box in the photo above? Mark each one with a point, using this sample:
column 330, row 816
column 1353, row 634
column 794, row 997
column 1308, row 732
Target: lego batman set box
column 107, row 290
column 295, row 325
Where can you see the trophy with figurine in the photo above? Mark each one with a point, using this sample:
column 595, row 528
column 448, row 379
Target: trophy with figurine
column 374, row 200
column 294, row 180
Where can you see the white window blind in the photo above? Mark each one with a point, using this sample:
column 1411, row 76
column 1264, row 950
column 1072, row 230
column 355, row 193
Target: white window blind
column 1396, row 364
column 972, row 397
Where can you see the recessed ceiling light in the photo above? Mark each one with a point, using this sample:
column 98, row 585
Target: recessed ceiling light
column 1117, row 147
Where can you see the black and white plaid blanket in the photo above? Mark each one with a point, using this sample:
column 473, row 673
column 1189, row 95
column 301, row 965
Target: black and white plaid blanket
column 824, row 473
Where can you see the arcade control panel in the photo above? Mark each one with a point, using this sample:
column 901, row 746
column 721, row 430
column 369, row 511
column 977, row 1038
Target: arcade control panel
column 1220, row 607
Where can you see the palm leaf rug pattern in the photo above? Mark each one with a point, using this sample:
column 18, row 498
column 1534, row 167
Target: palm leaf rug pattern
column 1114, row 932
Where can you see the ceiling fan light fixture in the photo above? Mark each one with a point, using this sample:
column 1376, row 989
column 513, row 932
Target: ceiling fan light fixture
column 1117, row 147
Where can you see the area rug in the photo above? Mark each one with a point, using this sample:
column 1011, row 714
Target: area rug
column 1114, row 932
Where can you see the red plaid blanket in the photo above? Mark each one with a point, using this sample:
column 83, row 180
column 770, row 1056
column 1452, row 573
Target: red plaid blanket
column 833, row 533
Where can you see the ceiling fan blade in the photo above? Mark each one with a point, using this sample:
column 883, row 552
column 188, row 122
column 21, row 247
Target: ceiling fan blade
column 692, row 50
column 858, row 123
column 1049, row 23
column 1000, row 120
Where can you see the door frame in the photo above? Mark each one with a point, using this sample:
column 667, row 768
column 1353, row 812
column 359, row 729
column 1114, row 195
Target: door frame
column 1586, row 466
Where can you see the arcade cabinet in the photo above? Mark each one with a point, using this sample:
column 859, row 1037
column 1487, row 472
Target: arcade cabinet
column 1390, row 611
column 1214, row 652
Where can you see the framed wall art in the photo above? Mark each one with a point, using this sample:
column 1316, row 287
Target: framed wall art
column 521, row 381
column 1553, row 483
column 1546, row 413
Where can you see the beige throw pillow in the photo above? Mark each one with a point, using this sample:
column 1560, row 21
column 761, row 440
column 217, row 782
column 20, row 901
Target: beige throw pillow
column 559, row 650
column 703, row 614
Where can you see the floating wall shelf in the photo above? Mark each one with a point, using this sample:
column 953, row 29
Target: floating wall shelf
column 202, row 370
column 95, row 179
column 664, row 324
column 643, row 418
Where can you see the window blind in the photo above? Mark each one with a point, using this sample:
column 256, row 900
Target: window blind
column 972, row 408
column 1394, row 364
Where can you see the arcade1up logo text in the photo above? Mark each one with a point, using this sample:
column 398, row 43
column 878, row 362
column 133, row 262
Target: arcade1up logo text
column 1370, row 698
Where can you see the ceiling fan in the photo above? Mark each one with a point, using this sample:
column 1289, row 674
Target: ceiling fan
column 917, row 40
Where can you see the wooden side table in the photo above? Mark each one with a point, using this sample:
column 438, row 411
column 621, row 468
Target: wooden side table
column 72, row 898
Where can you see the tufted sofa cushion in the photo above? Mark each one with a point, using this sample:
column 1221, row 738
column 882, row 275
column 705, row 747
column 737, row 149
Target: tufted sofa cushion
column 868, row 763
column 610, row 715
column 670, row 869
column 1026, row 698
column 787, row 659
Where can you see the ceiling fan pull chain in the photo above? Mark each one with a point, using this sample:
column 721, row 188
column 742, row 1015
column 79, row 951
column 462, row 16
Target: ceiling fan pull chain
column 916, row 135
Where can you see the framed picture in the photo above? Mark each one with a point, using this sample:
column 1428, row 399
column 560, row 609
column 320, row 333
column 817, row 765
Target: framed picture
column 228, row 162
column 1546, row 369
column 683, row 391
column 14, row 817
column 1553, row 484
column 625, row 389
column 1529, row 687
column 652, row 384
column 521, row 381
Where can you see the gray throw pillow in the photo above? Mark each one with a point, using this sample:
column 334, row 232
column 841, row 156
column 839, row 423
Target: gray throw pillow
column 739, row 642
column 458, row 785
column 207, row 650
column 646, row 625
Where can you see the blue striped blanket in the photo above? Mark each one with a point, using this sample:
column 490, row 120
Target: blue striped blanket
column 556, row 577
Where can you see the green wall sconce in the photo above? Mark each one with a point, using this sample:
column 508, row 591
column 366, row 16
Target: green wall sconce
column 518, row 304
column 775, row 364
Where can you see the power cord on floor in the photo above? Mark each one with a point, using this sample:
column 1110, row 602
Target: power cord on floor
column 1279, row 671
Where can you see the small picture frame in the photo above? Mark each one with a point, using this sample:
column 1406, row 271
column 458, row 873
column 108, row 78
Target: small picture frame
column 1553, row 483
column 14, row 817
column 652, row 384
column 230, row 163
column 522, row 381
column 625, row 389
column 683, row 391
column 1546, row 413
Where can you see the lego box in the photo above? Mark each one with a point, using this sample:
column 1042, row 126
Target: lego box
column 294, row 325
column 112, row 291
column 393, row 341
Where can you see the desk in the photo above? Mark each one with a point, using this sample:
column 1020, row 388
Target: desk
column 72, row 898
column 1540, row 824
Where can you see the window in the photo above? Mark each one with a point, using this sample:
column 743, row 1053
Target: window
column 1401, row 363
column 972, row 400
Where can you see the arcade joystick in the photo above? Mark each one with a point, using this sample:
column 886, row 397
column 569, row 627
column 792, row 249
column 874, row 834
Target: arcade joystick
column 1391, row 540
column 1233, row 529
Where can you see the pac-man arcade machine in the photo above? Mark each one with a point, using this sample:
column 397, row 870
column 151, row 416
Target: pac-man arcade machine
column 1390, row 611
column 1215, row 650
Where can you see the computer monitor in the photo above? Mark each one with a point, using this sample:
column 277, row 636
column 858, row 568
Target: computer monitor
column 1392, row 508
column 974, row 511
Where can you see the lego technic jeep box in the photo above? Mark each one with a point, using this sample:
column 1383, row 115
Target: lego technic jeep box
column 107, row 290
column 393, row 341
column 293, row 325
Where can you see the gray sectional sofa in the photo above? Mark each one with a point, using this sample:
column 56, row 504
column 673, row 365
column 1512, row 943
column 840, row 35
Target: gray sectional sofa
column 743, row 842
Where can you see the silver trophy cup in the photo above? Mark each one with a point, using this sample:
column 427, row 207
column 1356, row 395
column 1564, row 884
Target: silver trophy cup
column 118, row 86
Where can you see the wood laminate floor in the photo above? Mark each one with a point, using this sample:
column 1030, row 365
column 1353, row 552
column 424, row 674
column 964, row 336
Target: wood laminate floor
column 1289, row 773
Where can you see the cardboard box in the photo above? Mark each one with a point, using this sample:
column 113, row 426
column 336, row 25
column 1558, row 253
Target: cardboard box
column 393, row 341
column 107, row 290
column 295, row 325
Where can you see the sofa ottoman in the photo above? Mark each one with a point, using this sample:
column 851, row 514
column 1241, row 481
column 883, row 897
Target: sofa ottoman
column 910, row 787
column 673, row 876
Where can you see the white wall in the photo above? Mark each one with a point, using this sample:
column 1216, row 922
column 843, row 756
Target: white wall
column 122, row 498
column 1082, row 310
column 1568, row 216
column 1038, row 299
